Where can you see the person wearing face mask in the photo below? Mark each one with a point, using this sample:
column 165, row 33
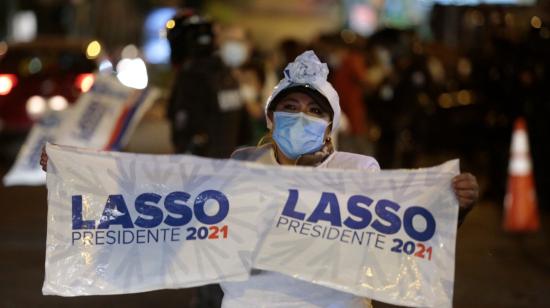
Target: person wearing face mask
column 302, row 114
column 205, row 109
column 234, row 53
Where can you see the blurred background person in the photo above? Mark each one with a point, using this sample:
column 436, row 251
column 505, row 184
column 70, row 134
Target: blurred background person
column 205, row 107
column 451, row 79
column 247, row 66
column 350, row 80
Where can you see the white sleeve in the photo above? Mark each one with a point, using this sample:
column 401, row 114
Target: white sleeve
column 369, row 163
column 345, row 160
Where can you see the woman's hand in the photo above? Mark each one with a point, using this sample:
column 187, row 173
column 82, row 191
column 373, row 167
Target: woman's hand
column 44, row 159
column 467, row 192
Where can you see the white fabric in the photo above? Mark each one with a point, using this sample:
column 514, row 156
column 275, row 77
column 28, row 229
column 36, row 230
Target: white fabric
column 270, row 289
column 81, row 257
column 102, row 118
column 336, row 160
column 123, row 223
column 26, row 169
column 400, row 250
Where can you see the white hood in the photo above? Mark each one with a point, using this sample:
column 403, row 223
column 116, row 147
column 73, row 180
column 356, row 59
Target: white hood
column 307, row 70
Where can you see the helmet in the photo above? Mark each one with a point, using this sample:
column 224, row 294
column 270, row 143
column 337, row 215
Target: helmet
column 190, row 36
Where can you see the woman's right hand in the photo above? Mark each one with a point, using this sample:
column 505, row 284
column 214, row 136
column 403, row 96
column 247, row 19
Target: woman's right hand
column 44, row 159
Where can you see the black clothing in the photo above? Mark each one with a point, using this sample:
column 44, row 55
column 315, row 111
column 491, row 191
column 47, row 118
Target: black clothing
column 205, row 109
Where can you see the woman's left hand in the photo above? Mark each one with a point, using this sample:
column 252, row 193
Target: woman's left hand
column 467, row 192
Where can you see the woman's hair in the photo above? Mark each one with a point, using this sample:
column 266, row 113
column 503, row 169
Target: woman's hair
column 266, row 139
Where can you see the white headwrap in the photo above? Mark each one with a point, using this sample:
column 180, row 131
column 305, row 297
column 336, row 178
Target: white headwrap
column 307, row 70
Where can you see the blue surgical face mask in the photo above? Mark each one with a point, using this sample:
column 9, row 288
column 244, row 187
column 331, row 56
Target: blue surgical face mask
column 297, row 134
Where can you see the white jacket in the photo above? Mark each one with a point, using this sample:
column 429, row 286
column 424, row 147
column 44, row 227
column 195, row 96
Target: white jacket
column 270, row 289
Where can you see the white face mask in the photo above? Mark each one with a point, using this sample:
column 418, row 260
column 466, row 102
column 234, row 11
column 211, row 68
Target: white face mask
column 234, row 53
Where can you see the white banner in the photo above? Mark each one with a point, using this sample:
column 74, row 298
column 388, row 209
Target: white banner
column 102, row 118
column 125, row 223
column 26, row 170
column 388, row 236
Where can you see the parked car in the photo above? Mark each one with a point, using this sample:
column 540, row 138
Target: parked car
column 46, row 74
column 36, row 77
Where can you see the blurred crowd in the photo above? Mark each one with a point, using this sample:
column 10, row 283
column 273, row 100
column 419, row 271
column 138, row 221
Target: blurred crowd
column 409, row 97
column 408, row 101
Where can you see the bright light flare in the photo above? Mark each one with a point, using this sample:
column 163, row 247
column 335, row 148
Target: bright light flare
column 36, row 106
column 7, row 82
column 58, row 103
column 132, row 73
column 105, row 66
column 170, row 24
column 536, row 22
column 363, row 19
column 93, row 50
column 84, row 82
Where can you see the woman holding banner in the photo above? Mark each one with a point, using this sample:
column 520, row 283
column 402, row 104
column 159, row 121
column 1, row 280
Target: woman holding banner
column 302, row 114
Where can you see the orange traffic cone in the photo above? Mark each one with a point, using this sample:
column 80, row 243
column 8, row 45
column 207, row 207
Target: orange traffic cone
column 520, row 203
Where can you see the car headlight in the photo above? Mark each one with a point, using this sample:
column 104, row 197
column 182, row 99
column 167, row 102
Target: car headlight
column 58, row 103
column 36, row 106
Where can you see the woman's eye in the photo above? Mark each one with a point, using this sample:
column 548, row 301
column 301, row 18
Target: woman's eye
column 289, row 107
column 316, row 111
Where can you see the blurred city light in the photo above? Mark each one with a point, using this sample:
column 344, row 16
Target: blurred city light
column 132, row 73
column 363, row 19
column 3, row 48
column 170, row 24
column 24, row 26
column 105, row 66
column 156, row 49
column 93, row 50
column 58, row 103
column 464, row 67
column 36, row 106
column 464, row 97
column 478, row 2
column 7, row 82
column 129, row 52
column 386, row 93
column 84, row 82
column 536, row 22
column 445, row 100
column 35, row 65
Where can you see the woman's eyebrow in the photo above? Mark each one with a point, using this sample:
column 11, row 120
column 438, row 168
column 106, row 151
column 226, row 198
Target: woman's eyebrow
column 313, row 104
column 290, row 99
